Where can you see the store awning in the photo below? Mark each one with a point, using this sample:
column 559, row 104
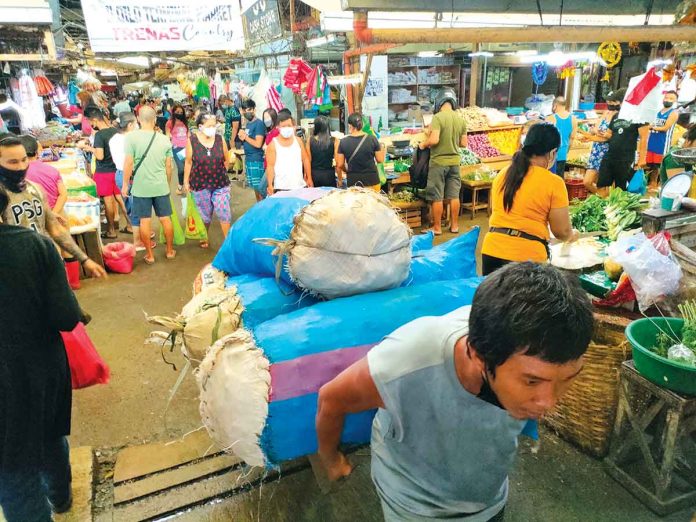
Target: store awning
column 614, row 7
column 32, row 12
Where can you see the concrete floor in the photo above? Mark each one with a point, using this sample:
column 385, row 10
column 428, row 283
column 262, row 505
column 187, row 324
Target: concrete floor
column 556, row 484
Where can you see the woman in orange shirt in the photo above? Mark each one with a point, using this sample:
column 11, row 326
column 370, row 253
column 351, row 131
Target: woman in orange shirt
column 527, row 199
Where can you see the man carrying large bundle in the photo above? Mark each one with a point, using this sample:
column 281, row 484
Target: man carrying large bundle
column 454, row 393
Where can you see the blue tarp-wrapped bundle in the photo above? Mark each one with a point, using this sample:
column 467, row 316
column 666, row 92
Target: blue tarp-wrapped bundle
column 259, row 386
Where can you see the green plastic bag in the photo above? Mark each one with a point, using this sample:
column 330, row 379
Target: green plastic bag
column 179, row 238
column 195, row 228
column 382, row 175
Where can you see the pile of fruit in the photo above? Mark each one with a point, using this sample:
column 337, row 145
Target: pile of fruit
column 506, row 141
column 468, row 158
column 474, row 117
column 480, row 145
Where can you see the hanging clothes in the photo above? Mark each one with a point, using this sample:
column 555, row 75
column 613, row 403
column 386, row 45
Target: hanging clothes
column 273, row 98
column 44, row 86
column 73, row 89
column 296, row 74
column 202, row 88
column 31, row 102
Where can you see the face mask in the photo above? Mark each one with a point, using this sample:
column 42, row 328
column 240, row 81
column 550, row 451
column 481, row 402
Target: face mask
column 668, row 104
column 209, row 131
column 287, row 132
column 249, row 115
column 15, row 180
column 268, row 122
column 487, row 394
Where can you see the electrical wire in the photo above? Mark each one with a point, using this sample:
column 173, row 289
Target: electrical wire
column 649, row 11
column 560, row 19
column 541, row 18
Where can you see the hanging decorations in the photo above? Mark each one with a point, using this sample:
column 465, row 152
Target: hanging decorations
column 540, row 72
column 610, row 52
column 566, row 71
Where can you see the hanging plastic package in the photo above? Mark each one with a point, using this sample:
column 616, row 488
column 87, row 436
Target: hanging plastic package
column 259, row 388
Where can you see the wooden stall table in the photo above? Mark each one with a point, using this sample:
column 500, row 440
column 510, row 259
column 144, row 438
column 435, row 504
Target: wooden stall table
column 404, row 178
column 653, row 446
column 475, row 205
column 411, row 213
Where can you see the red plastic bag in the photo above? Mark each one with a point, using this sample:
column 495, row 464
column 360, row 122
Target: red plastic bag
column 119, row 256
column 87, row 368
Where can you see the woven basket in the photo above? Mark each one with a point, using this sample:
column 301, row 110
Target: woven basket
column 585, row 416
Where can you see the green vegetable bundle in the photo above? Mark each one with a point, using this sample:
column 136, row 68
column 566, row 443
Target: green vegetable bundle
column 468, row 158
column 404, row 196
column 588, row 215
column 622, row 212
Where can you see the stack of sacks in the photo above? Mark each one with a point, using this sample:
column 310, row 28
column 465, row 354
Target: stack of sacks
column 336, row 242
column 258, row 387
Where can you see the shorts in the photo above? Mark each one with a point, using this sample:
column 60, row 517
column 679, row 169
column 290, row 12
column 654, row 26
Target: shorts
column 615, row 171
column 217, row 201
column 106, row 184
column 254, row 173
column 142, row 207
column 443, row 182
column 654, row 158
column 599, row 150
column 119, row 179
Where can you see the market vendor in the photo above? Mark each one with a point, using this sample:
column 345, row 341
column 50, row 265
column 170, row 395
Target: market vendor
column 527, row 198
column 661, row 131
column 600, row 139
column 669, row 163
column 454, row 393
column 28, row 207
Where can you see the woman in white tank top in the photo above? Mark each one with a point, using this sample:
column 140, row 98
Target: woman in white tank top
column 288, row 164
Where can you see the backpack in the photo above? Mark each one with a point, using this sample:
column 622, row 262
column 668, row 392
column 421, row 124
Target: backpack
column 419, row 169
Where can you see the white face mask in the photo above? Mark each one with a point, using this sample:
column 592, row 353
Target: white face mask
column 209, row 131
column 268, row 122
column 287, row 132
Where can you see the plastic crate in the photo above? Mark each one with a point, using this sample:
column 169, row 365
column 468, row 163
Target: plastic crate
column 576, row 189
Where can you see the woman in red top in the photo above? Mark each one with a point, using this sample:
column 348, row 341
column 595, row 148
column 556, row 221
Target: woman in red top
column 205, row 173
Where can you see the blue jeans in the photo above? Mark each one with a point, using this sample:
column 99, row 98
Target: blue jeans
column 27, row 495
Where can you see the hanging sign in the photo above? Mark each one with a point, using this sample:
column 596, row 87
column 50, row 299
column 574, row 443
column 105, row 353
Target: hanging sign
column 163, row 25
column 263, row 21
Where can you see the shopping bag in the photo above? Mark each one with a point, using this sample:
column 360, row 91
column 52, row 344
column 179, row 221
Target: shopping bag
column 179, row 236
column 87, row 368
column 637, row 184
column 382, row 174
column 195, row 228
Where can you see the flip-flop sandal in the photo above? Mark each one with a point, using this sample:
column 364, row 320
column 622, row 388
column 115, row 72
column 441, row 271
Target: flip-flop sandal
column 172, row 255
column 105, row 235
column 454, row 231
column 148, row 261
column 125, row 230
column 431, row 230
column 204, row 244
column 152, row 235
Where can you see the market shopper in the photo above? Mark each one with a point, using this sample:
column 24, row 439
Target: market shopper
column 357, row 156
column 149, row 163
column 105, row 172
column 288, row 166
column 45, row 176
column 28, row 207
column 617, row 167
column 660, row 137
column 205, row 174
column 35, row 388
column 567, row 126
column 270, row 120
column 127, row 122
column 177, row 130
column 527, row 199
column 600, row 140
column 322, row 149
column 122, row 105
column 232, row 120
column 447, row 134
column 670, row 165
column 454, row 392
column 252, row 138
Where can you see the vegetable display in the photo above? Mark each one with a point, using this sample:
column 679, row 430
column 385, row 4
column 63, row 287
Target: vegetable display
column 482, row 174
column 404, row 196
column 622, row 212
column 682, row 350
column 480, row 145
column 588, row 215
column 506, row 141
column 474, row 117
column 468, row 158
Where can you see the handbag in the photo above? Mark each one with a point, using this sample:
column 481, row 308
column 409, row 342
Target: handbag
column 142, row 158
column 87, row 368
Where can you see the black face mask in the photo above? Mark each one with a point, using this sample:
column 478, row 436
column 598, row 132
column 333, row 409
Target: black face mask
column 487, row 394
column 180, row 116
column 667, row 104
column 14, row 180
column 249, row 115
column 613, row 107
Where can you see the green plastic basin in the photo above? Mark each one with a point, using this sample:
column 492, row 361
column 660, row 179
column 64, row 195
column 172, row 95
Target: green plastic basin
column 642, row 335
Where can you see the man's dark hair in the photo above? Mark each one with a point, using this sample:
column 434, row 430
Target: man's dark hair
column 284, row 110
column 92, row 112
column 9, row 140
column 533, row 309
column 31, row 145
column 671, row 92
column 248, row 104
column 284, row 116
column 4, row 200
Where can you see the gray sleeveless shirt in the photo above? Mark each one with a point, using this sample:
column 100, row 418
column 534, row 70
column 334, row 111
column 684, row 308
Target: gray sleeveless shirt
column 437, row 450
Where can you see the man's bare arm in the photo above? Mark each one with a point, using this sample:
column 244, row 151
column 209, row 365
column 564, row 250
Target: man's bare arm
column 62, row 236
